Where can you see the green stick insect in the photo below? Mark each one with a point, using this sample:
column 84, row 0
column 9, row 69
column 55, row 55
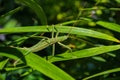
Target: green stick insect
column 45, row 43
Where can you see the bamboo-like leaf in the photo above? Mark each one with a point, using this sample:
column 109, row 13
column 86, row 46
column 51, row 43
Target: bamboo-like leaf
column 111, row 54
column 14, row 68
column 11, row 12
column 102, row 73
column 2, row 63
column 61, row 29
column 98, row 58
column 108, row 25
column 84, row 53
column 36, row 62
column 37, row 9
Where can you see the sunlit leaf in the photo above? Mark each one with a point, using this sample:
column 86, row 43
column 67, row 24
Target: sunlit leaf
column 61, row 29
column 14, row 68
column 3, row 63
column 111, row 54
column 109, row 25
column 36, row 62
column 84, row 53
column 98, row 58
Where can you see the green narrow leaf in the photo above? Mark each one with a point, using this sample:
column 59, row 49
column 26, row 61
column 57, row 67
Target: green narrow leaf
column 98, row 58
column 27, row 73
column 84, row 53
column 11, row 12
column 37, row 9
column 3, row 63
column 108, row 25
column 36, row 62
column 111, row 54
column 61, row 29
column 102, row 73
column 14, row 68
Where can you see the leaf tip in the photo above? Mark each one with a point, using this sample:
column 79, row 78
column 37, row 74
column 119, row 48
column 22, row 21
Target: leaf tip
column 118, row 41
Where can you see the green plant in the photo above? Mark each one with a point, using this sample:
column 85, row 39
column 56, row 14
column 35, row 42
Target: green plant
column 91, row 36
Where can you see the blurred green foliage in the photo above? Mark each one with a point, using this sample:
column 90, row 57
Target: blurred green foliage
column 87, row 12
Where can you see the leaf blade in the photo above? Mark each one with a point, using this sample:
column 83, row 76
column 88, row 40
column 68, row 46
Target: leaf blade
column 36, row 62
column 61, row 29
column 84, row 53
column 2, row 63
column 108, row 25
column 102, row 73
column 37, row 9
